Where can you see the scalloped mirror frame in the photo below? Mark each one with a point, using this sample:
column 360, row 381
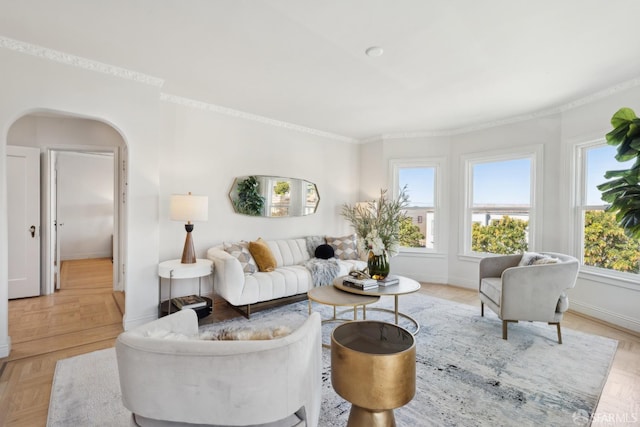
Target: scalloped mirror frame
column 273, row 196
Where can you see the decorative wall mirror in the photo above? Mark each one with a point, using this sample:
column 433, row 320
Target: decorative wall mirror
column 273, row 196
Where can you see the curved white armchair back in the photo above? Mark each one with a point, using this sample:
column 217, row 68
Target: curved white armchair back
column 530, row 292
column 230, row 383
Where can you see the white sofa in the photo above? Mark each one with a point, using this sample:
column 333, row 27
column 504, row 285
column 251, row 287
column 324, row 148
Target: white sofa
column 170, row 380
column 289, row 278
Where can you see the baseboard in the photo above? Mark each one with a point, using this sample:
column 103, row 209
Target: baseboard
column 626, row 322
column 5, row 348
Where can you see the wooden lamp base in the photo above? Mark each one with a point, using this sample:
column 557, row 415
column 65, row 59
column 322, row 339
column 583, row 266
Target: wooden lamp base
column 188, row 253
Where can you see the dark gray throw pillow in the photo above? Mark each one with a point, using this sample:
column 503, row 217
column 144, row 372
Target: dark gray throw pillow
column 324, row 252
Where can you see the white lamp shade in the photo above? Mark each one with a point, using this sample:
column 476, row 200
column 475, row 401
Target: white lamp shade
column 187, row 207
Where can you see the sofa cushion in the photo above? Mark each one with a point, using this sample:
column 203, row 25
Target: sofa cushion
column 324, row 252
column 240, row 250
column 262, row 255
column 344, row 247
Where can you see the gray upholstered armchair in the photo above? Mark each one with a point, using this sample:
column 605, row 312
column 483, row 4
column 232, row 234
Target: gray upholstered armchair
column 527, row 287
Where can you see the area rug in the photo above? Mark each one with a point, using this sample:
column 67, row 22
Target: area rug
column 467, row 375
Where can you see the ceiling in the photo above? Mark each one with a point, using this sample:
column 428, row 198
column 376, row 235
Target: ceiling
column 447, row 65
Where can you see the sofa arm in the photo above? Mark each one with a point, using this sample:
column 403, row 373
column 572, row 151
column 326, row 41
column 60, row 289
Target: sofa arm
column 532, row 292
column 228, row 277
column 494, row 266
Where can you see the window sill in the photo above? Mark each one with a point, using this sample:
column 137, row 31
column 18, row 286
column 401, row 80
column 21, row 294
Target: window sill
column 621, row 280
column 420, row 253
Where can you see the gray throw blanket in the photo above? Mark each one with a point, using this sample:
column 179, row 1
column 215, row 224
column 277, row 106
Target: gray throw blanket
column 323, row 271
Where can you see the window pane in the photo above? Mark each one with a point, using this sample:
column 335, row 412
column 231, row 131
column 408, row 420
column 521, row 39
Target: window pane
column 497, row 233
column 419, row 184
column 599, row 160
column 606, row 245
column 505, row 183
column 417, row 231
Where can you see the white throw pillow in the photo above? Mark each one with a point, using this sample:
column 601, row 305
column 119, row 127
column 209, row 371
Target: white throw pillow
column 534, row 258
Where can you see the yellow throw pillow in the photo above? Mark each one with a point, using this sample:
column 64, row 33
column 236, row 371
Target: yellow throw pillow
column 262, row 255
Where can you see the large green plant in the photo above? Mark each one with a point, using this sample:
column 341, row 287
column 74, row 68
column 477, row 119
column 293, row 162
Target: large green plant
column 623, row 192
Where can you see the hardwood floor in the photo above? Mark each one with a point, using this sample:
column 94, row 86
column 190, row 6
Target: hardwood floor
column 81, row 317
column 84, row 316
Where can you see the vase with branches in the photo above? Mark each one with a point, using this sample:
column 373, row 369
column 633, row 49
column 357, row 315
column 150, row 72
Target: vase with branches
column 377, row 226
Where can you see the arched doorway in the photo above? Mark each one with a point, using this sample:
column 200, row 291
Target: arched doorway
column 60, row 135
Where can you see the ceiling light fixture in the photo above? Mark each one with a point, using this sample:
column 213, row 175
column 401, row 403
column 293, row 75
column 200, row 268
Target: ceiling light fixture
column 374, row 51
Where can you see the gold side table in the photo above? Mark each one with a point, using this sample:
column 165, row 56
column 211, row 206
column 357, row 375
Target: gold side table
column 373, row 366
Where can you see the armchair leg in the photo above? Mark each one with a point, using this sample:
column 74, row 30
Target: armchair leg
column 481, row 309
column 504, row 327
column 559, row 333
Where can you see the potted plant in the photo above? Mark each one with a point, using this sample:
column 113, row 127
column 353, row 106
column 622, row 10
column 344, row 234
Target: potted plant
column 377, row 225
column 623, row 192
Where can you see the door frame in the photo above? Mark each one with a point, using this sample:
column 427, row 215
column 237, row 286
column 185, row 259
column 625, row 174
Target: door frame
column 119, row 217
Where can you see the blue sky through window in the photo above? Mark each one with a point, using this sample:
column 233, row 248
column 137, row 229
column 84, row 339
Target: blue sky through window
column 502, row 183
column 600, row 160
column 420, row 185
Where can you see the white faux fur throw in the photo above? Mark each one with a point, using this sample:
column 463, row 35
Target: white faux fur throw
column 245, row 334
column 323, row 271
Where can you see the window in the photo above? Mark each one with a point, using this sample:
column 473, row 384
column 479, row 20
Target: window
column 602, row 242
column 420, row 179
column 501, row 190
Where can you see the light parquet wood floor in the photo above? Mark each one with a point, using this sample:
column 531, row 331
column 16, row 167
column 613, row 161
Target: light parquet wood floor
column 83, row 317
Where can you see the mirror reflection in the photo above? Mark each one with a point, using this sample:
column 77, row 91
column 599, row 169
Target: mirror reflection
column 273, row 196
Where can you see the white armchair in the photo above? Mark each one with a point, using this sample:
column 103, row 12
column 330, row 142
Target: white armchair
column 168, row 380
column 527, row 292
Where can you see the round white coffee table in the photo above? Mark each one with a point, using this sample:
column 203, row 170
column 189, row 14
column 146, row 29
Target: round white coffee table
column 329, row 295
column 403, row 287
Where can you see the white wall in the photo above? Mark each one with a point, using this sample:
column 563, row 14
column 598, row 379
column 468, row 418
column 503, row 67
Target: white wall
column 85, row 205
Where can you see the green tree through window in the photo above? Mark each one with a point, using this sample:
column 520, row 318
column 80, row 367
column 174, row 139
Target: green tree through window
column 410, row 235
column 607, row 246
column 501, row 236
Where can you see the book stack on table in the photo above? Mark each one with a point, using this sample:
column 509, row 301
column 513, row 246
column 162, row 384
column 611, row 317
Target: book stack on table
column 190, row 301
column 389, row 280
column 362, row 284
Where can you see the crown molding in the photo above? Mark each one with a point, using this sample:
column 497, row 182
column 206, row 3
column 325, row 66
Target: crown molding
column 629, row 84
column 78, row 61
column 192, row 103
column 100, row 67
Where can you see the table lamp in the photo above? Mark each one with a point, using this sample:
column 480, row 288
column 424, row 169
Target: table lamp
column 187, row 207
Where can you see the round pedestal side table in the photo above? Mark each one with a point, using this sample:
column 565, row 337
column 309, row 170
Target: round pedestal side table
column 175, row 269
column 373, row 366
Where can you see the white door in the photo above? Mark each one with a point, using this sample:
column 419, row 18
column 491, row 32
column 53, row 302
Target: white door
column 23, row 203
